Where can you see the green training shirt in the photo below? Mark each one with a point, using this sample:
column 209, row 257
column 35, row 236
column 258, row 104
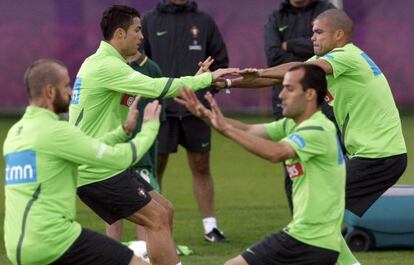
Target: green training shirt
column 363, row 104
column 97, row 95
column 318, row 179
column 41, row 156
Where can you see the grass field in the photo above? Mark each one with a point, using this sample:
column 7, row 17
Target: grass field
column 250, row 202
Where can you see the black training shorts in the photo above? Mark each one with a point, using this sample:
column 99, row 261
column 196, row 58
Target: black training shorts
column 117, row 197
column 368, row 178
column 282, row 249
column 94, row 248
column 190, row 132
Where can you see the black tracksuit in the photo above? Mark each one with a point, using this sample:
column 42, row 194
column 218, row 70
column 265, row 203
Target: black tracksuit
column 177, row 37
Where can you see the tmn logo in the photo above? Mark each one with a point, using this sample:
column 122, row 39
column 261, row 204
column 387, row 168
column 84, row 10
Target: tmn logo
column 21, row 168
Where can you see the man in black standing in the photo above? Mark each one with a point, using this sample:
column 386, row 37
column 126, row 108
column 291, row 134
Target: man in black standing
column 177, row 36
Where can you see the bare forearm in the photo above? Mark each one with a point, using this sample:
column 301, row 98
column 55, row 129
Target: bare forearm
column 277, row 72
column 237, row 124
column 256, row 145
column 255, row 83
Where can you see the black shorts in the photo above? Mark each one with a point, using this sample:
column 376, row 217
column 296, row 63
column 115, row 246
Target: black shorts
column 117, row 197
column 368, row 178
column 281, row 248
column 94, row 248
column 190, row 132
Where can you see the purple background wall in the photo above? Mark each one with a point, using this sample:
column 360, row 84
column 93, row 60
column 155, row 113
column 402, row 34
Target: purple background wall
column 69, row 31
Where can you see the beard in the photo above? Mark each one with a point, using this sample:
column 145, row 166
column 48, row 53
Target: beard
column 60, row 105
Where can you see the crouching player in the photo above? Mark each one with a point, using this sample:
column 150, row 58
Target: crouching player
column 42, row 155
column 306, row 140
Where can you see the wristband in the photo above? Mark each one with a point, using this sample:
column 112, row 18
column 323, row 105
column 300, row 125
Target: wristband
column 228, row 83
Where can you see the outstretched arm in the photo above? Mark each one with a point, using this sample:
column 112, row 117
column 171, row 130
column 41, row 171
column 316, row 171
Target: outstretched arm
column 260, row 146
column 190, row 101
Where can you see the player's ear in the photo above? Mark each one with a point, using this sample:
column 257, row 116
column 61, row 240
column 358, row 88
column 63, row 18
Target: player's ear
column 49, row 91
column 339, row 34
column 311, row 94
column 119, row 33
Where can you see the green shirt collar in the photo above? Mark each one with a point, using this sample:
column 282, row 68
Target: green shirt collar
column 108, row 49
column 35, row 111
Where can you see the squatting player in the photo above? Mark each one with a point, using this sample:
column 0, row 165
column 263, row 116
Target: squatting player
column 364, row 109
column 307, row 141
column 42, row 155
column 96, row 108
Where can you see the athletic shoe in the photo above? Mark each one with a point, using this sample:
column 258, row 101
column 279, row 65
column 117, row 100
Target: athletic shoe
column 215, row 236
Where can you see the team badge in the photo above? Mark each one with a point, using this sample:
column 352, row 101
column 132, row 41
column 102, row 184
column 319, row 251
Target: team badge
column 195, row 46
column 294, row 170
column 194, row 31
column 127, row 100
column 141, row 192
column 329, row 98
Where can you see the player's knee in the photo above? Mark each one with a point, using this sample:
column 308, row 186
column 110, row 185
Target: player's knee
column 159, row 220
column 201, row 169
column 169, row 207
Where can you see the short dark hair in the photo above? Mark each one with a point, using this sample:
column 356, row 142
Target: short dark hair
column 40, row 73
column 314, row 77
column 117, row 16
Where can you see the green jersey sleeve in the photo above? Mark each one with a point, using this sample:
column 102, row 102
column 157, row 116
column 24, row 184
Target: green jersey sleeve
column 120, row 77
column 276, row 130
column 73, row 145
column 116, row 136
column 340, row 61
column 307, row 142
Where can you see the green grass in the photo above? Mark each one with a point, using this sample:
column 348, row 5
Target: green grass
column 250, row 202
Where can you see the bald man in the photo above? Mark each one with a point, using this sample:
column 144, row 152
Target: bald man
column 364, row 109
column 42, row 155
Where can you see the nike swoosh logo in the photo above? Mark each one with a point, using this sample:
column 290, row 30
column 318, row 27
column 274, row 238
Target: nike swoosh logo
column 281, row 29
column 204, row 144
column 161, row 33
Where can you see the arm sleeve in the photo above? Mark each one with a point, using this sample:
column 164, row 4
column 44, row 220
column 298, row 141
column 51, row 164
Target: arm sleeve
column 340, row 61
column 71, row 144
column 120, row 77
column 307, row 143
column 273, row 44
column 216, row 48
column 143, row 141
column 116, row 136
column 276, row 130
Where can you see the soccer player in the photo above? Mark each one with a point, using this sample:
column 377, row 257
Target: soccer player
column 307, row 141
column 147, row 166
column 364, row 109
column 287, row 38
column 42, row 155
column 96, row 108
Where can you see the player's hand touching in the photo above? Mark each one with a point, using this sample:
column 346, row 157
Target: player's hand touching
column 220, row 74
